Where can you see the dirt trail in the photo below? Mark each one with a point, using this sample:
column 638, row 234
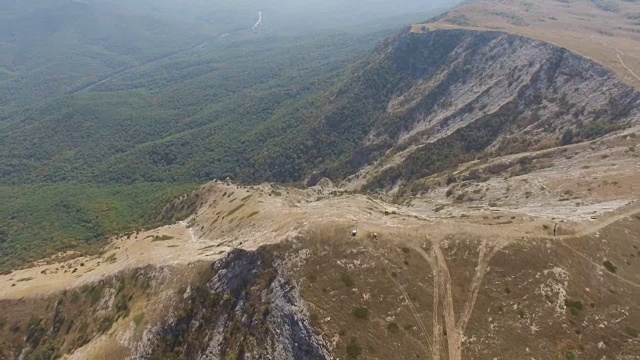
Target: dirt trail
column 423, row 329
column 152, row 61
column 599, row 225
column 599, row 266
column 117, row 73
column 437, row 327
column 619, row 55
column 483, row 263
column 259, row 22
column 443, row 285
column 454, row 337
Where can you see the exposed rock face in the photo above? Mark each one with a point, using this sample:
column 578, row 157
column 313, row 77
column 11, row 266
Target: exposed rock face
column 325, row 183
column 323, row 187
column 249, row 309
column 461, row 93
column 66, row 323
column 463, row 75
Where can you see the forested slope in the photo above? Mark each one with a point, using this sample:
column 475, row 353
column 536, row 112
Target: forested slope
column 260, row 106
column 191, row 117
column 296, row 109
column 119, row 151
column 101, row 154
column 50, row 48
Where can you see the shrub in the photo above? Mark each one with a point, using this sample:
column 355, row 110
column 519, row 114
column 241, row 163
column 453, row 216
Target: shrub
column 94, row 293
column 162, row 238
column 393, row 327
column 609, row 266
column 138, row 319
column 347, row 280
column 449, row 192
column 234, row 210
column 122, row 306
column 112, row 258
column 473, row 175
column 82, row 330
column 495, row 169
column 266, row 311
column 353, row 349
column 567, row 137
column 575, row 306
column 314, row 318
column 361, row 313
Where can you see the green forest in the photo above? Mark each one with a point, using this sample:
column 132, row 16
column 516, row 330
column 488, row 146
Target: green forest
column 100, row 129
column 41, row 220
column 76, row 169
column 111, row 108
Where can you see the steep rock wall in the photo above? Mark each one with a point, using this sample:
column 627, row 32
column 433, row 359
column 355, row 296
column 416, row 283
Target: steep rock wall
column 466, row 93
column 249, row 309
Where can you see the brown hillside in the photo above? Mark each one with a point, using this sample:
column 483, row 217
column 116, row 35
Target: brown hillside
column 606, row 31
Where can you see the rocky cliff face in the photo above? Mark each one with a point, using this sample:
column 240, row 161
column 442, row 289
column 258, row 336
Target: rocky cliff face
column 249, row 309
column 244, row 306
column 462, row 75
column 466, row 93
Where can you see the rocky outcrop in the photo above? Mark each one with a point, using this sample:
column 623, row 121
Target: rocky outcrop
column 467, row 93
column 462, row 75
column 249, row 309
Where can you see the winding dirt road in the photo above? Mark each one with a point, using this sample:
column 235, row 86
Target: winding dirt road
column 259, row 21
column 119, row 72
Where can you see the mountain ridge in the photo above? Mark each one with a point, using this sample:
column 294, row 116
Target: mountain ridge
column 459, row 192
column 582, row 26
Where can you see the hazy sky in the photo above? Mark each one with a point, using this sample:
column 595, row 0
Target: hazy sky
column 220, row 16
column 335, row 8
column 282, row 15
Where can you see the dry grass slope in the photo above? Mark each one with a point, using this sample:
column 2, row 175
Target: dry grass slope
column 544, row 255
column 606, row 31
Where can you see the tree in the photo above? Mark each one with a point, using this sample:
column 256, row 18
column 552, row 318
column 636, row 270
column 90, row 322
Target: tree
column 567, row 137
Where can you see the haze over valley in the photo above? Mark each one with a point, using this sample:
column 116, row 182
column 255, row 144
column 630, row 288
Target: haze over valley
column 319, row 179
